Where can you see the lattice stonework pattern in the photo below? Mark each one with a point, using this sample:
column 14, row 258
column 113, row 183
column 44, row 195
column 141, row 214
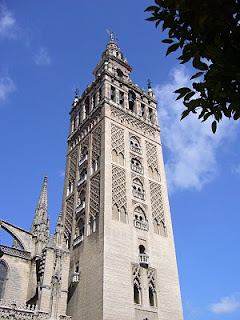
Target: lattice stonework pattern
column 96, row 144
column 156, row 201
column 117, row 138
column 94, row 195
column 72, row 166
column 151, row 276
column 136, row 273
column 119, row 187
column 84, row 145
column 69, row 215
column 122, row 117
column 152, row 158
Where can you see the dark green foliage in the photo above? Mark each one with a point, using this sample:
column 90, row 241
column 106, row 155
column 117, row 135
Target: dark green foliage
column 208, row 33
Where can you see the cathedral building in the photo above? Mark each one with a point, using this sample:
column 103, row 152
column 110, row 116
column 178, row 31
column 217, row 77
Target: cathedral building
column 112, row 256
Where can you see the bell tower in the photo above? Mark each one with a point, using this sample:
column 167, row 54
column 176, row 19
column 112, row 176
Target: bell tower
column 116, row 215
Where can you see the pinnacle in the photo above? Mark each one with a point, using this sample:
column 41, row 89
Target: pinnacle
column 41, row 212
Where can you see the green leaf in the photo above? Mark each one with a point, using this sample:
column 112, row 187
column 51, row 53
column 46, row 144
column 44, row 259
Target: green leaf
column 198, row 74
column 183, row 90
column 151, row 19
column 214, row 126
column 152, row 8
column 199, row 64
column 157, row 23
column 167, row 41
column 206, row 116
column 172, row 48
column 189, row 95
column 185, row 113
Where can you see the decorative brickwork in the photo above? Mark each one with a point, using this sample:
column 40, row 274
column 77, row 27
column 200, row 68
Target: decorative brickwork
column 96, row 144
column 84, row 145
column 119, row 197
column 15, row 252
column 136, row 274
column 69, row 215
column 127, row 119
column 117, row 138
column 156, row 201
column 72, row 166
column 94, row 195
column 152, row 158
column 151, row 276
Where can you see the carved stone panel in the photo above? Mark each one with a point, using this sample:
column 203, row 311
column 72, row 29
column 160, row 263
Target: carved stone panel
column 96, row 144
column 117, row 138
column 152, row 158
column 156, row 201
column 119, row 187
column 94, row 195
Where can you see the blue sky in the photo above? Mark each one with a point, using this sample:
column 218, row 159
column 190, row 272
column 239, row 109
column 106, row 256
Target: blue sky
column 48, row 48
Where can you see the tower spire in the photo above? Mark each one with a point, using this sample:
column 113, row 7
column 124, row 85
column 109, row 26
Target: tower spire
column 40, row 224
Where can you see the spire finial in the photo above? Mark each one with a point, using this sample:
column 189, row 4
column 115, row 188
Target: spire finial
column 149, row 84
column 111, row 35
column 76, row 93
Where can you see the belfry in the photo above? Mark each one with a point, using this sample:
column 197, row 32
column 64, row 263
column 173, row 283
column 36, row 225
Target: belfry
column 112, row 256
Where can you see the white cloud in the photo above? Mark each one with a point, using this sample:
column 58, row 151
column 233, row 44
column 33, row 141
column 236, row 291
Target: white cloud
column 7, row 23
column 42, row 57
column 191, row 312
column 226, row 305
column 191, row 145
column 236, row 170
column 7, row 86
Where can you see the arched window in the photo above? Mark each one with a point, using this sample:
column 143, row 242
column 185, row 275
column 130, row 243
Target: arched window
column 150, row 172
column 137, row 189
column 139, row 214
column 123, row 215
column 83, row 175
column 151, row 294
column 92, row 225
column 137, row 292
column 115, row 212
column 136, row 165
column 121, row 159
column 159, row 227
column 140, row 220
column 114, row 156
column 141, row 249
column 135, row 145
column 81, row 225
column 156, row 175
column 3, row 277
column 131, row 100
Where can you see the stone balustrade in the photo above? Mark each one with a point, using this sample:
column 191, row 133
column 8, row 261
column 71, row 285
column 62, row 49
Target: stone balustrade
column 15, row 252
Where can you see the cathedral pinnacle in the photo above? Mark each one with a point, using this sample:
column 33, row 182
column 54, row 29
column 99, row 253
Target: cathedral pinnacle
column 41, row 213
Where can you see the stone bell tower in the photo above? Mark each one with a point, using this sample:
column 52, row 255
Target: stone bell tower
column 116, row 215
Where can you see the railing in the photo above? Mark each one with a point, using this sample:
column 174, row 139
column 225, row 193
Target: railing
column 10, row 309
column 135, row 148
column 15, row 252
column 143, row 259
column 143, row 225
column 77, row 240
column 83, row 179
column 81, row 161
column 80, row 207
column 19, row 310
column 137, row 169
column 75, row 277
column 139, row 194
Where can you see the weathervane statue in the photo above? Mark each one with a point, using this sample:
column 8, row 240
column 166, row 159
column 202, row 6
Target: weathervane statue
column 111, row 34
